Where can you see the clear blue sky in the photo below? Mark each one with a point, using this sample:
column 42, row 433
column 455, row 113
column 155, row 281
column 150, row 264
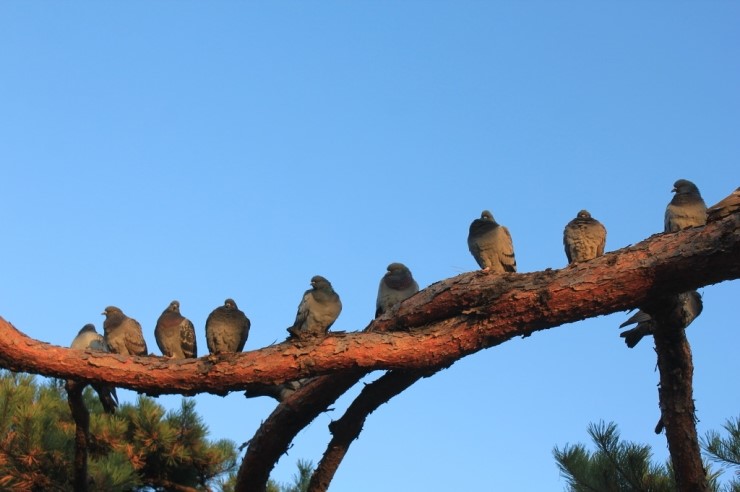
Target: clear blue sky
column 152, row 151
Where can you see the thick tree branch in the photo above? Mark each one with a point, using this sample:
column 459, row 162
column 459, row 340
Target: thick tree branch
column 676, row 393
column 259, row 469
column 444, row 322
column 277, row 432
column 82, row 433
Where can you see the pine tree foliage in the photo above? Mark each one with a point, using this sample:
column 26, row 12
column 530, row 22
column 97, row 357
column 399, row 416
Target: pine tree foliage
column 726, row 451
column 615, row 465
column 141, row 447
column 300, row 479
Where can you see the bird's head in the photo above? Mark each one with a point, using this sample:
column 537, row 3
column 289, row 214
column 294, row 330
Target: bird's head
column 87, row 328
column 397, row 268
column 111, row 310
column 684, row 186
column 317, row 282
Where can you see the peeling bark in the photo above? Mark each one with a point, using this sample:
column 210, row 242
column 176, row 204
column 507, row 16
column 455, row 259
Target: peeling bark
column 441, row 324
column 444, row 322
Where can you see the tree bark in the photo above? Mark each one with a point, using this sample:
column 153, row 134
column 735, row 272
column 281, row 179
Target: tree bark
column 675, row 392
column 82, row 433
column 444, row 322
column 277, row 432
column 441, row 324
column 348, row 427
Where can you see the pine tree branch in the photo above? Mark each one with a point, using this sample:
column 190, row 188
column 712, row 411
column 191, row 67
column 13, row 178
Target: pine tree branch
column 274, row 436
column 82, row 433
column 676, row 369
column 258, row 475
column 444, row 322
column 348, row 427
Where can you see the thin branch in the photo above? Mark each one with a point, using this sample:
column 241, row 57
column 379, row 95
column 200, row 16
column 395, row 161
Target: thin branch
column 348, row 427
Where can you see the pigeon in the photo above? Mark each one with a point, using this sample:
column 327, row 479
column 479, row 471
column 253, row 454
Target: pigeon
column 725, row 207
column 689, row 303
column 490, row 244
column 584, row 238
column 686, row 209
column 227, row 329
column 123, row 334
column 277, row 391
column 88, row 338
column 395, row 286
column 319, row 308
column 175, row 334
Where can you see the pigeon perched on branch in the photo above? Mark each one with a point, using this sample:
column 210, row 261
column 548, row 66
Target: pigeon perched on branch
column 89, row 339
column 227, row 329
column 317, row 311
column 123, row 334
column 490, row 244
column 584, row 238
column 175, row 334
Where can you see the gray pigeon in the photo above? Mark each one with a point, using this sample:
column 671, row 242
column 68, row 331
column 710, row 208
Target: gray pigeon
column 123, row 334
column 490, row 244
column 89, row 339
column 689, row 304
column 395, row 286
column 584, row 238
column 686, row 209
column 227, row 329
column 175, row 334
column 728, row 205
column 319, row 308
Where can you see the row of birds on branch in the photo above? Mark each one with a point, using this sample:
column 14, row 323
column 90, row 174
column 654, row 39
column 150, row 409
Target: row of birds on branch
column 227, row 327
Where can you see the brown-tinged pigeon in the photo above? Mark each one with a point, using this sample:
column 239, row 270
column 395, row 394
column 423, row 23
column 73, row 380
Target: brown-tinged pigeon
column 686, row 208
column 123, row 334
column 584, row 238
column 89, row 339
column 395, row 286
column 490, row 244
column 728, row 205
column 175, row 334
column 689, row 307
column 227, row 329
column 319, row 308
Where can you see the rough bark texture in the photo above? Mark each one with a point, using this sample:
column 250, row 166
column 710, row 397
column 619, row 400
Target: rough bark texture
column 442, row 323
column 348, row 427
column 82, row 433
column 676, row 394
column 277, row 432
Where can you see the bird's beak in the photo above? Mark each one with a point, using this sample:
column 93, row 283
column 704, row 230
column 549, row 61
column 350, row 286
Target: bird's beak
column 103, row 313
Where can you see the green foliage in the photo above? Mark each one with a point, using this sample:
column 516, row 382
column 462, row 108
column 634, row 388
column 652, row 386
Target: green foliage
column 725, row 451
column 300, row 480
column 142, row 446
column 616, row 466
